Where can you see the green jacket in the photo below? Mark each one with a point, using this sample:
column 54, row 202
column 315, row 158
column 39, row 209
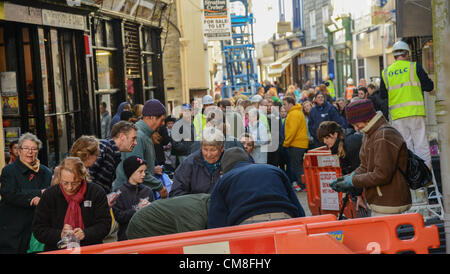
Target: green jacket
column 173, row 215
column 144, row 149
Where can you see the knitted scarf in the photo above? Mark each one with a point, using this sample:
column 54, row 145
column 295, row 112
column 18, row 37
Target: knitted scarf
column 73, row 214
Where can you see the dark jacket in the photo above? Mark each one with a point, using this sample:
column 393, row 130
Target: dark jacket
column 350, row 162
column 352, row 146
column 51, row 211
column 385, row 188
column 19, row 185
column 192, row 176
column 251, row 189
column 116, row 118
column 325, row 112
column 182, row 141
column 379, row 103
column 124, row 209
column 159, row 148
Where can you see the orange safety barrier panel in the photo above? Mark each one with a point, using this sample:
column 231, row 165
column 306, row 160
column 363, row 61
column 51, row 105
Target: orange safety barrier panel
column 316, row 234
column 320, row 168
column 379, row 234
column 243, row 242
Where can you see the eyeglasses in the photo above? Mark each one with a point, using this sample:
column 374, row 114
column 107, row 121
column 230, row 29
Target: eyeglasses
column 72, row 184
column 28, row 149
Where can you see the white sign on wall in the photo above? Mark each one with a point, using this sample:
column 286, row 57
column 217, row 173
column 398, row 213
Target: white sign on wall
column 329, row 198
column 63, row 20
column 216, row 20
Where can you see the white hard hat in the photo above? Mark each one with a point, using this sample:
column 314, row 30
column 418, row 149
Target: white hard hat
column 207, row 100
column 257, row 98
column 399, row 47
column 349, row 81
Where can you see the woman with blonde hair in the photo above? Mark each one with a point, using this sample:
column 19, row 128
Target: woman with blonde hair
column 86, row 148
column 72, row 208
column 273, row 94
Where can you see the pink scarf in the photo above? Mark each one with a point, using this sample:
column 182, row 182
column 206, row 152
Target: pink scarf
column 73, row 214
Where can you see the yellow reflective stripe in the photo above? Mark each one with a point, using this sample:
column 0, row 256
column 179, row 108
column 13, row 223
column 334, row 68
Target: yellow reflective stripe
column 406, row 84
column 407, row 104
column 412, row 72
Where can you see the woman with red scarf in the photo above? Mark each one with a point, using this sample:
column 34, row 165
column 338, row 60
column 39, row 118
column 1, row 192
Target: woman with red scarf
column 72, row 206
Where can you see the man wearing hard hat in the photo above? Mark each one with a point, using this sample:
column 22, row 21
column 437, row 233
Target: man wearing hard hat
column 350, row 90
column 200, row 118
column 403, row 84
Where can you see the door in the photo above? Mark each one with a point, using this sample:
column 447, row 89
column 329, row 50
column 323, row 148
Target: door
column 61, row 94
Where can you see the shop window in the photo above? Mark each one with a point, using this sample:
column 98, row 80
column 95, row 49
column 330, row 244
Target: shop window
column 361, row 73
column 105, row 70
column 105, row 51
column 148, row 62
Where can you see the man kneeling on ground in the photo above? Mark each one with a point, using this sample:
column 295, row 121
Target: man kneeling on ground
column 251, row 193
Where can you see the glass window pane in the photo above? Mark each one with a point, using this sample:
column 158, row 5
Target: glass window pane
column 68, row 60
column 99, row 33
column 147, row 43
column 148, row 79
column 57, row 72
column 51, row 143
column 25, row 35
column 105, row 69
column 109, row 34
column 2, row 31
column 28, row 73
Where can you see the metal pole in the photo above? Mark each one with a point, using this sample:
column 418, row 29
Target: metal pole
column 441, row 32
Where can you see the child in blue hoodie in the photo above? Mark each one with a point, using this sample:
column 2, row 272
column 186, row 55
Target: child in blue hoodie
column 134, row 195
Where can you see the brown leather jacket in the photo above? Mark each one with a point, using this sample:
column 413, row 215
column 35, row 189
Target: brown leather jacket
column 385, row 188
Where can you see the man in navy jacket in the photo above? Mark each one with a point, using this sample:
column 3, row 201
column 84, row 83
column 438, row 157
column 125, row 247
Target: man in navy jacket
column 249, row 193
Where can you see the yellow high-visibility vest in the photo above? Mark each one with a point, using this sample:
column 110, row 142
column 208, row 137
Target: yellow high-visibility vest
column 199, row 125
column 331, row 89
column 404, row 90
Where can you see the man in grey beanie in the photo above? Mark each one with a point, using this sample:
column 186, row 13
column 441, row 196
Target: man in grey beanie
column 251, row 193
column 153, row 116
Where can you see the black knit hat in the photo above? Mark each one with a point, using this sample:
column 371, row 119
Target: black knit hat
column 131, row 164
column 231, row 157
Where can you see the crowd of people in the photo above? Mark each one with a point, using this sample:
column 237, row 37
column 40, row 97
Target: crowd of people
column 230, row 161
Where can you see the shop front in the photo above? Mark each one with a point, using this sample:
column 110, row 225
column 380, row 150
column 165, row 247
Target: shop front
column 43, row 74
column 127, row 53
column 313, row 65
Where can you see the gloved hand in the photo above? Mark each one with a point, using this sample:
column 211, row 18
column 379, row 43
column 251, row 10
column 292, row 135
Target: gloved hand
column 343, row 184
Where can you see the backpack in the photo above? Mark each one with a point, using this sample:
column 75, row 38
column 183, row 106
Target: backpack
column 417, row 173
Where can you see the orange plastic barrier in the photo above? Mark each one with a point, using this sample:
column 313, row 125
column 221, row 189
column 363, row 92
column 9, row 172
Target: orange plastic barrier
column 316, row 234
column 320, row 168
column 379, row 234
column 174, row 243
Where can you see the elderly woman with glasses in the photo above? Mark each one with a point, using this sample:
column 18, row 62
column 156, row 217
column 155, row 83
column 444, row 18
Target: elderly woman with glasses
column 201, row 169
column 72, row 207
column 22, row 185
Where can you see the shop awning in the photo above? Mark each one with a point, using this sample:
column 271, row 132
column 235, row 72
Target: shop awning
column 277, row 70
column 277, row 67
